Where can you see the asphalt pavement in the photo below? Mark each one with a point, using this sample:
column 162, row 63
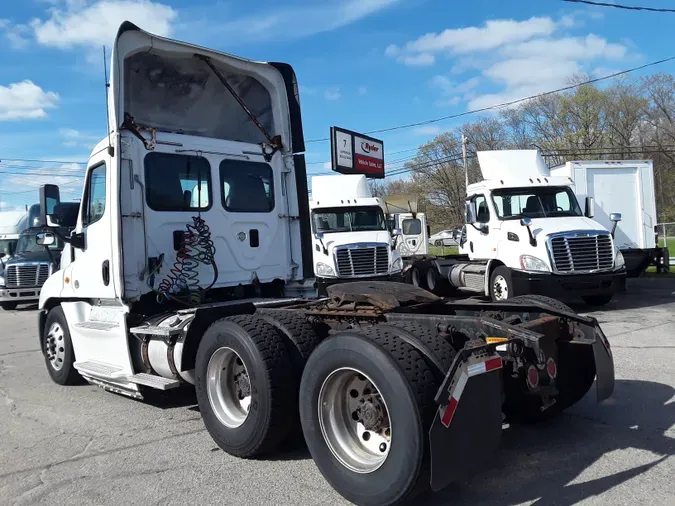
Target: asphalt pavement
column 81, row 445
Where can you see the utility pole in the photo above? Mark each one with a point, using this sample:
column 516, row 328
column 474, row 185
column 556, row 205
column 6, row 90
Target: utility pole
column 466, row 168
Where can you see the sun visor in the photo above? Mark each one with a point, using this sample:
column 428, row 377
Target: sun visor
column 163, row 85
column 508, row 164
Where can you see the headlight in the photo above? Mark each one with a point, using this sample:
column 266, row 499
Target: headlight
column 2, row 280
column 324, row 270
column 530, row 263
column 397, row 265
column 619, row 260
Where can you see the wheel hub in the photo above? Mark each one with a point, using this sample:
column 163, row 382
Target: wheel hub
column 370, row 414
column 228, row 387
column 55, row 346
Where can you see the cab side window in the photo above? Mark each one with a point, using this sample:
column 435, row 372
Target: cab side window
column 482, row 211
column 95, row 198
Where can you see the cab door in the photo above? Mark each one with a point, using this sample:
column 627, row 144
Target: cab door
column 90, row 271
column 482, row 236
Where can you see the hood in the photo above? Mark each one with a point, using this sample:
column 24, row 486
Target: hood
column 340, row 238
column 548, row 226
column 34, row 256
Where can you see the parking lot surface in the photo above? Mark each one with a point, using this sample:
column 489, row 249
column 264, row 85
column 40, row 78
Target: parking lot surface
column 81, row 445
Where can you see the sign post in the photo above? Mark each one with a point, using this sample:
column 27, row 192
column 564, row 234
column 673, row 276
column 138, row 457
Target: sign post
column 355, row 153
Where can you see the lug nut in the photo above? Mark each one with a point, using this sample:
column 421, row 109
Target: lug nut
column 383, row 447
column 366, row 436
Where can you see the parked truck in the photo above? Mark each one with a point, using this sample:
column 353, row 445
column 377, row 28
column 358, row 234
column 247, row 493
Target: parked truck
column 12, row 223
column 351, row 237
column 625, row 187
column 394, row 389
column 526, row 233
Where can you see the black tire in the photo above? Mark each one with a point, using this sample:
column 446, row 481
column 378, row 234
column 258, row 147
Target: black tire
column 8, row 306
column 598, row 300
column 504, row 273
column 554, row 303
column 438, row 243
column 261, row 348
column 66, row 374
column 416, row 277
column 433, row 279
column 408, row 386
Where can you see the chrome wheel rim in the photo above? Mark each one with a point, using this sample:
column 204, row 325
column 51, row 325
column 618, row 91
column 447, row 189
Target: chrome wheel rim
column 354, row 420
column 500, row 288
column 228, row 387
column 55, row 346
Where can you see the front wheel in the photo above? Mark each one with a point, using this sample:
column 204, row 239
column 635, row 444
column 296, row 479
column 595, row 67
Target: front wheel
column 598, row 300
column 8, row 306
column 501, row 286
column 366, row 406
column 58, row 349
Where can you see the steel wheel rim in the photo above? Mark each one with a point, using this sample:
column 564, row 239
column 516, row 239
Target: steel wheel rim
column 55, row 346
column 354, row 420
column 500, row 288
column 228, row 387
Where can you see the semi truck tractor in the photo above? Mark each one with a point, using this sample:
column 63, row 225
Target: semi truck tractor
column 351, row 237
column 394, row 389
column 526, row 233
column 625, row 187
column 12, row 223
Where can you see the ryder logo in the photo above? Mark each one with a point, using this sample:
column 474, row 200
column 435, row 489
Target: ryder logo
column 369, row 148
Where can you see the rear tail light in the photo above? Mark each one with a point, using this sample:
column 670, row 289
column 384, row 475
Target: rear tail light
column 532, row 377
column 551, row 368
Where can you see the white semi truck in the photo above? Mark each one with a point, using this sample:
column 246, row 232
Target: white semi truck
column 394, row 389
column 12, row 223
column 351, row 237
column 526, row 233
column 626, row 187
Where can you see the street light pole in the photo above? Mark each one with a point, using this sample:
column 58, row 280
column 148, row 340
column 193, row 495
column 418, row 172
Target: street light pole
column 466, row 168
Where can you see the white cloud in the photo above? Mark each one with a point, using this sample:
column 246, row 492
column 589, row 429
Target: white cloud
column 75, row 138
column 427, row 130
column 68, row 177
column 95, row 24
column 362, row 90
column 25, row 100
column 306, row 19
column 493, row 34
column 327, row 165
column 578, row 48
column 453, row 92
column 332, row 94
column 417, row 60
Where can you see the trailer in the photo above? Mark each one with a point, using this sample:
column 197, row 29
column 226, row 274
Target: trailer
column 625, row 187
column 394, row 389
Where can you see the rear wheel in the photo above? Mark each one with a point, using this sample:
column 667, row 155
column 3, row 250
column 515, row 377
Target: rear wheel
column 8, row 306
column 366, row 406
column 245, row 385
column 58, row 349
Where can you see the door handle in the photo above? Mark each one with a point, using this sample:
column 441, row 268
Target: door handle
column 105, row 272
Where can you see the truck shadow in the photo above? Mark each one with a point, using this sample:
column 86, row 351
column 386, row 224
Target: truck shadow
column 557, row 462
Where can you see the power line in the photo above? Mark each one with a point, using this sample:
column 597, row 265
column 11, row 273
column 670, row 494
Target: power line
column 512, row 102
column 2, row 159
column 618, row 6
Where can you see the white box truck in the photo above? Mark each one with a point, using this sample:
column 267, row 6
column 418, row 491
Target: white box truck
column 625, row 187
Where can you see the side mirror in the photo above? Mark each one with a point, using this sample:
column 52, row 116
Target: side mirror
column 615, row 217
column 484, row 228
column 470, row 212
column 396, row 232
column 526, row 222
column 45, row 239
column 590, row 207
column 319, row 236
column 49, row 199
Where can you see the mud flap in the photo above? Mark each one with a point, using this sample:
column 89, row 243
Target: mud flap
column 468, row 426
column 604, row 365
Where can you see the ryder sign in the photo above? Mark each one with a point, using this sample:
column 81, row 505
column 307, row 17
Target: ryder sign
column 354, row 153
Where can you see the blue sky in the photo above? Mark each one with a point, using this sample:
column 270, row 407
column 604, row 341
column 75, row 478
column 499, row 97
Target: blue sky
column 361, row 64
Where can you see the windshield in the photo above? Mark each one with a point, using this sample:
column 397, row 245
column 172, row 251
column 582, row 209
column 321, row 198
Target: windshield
column 540, row 202
column 352, row 219
column 28, row 244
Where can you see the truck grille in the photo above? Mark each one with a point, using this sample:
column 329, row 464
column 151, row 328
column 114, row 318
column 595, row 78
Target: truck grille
column 582, row 253
column 362, row 261
column 19, row 276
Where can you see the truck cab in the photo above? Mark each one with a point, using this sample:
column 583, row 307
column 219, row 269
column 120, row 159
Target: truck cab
column 351, row 238
column 401, row 213
column 530, row 233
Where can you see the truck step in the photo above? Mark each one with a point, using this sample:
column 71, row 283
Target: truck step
column 97, row 369
column 153, row 381
column 97, row 325
column 153, row 330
